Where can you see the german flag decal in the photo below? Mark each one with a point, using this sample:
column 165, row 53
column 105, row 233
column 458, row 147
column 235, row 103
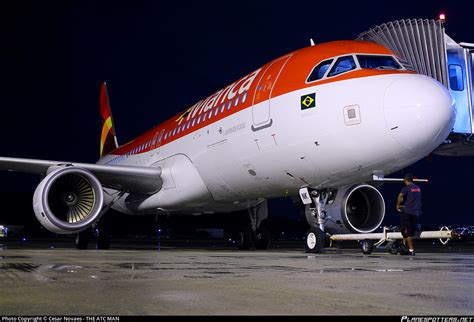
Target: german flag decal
column 108, row 139
column 308, row 101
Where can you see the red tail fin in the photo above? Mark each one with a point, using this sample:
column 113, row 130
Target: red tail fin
column 108, row 138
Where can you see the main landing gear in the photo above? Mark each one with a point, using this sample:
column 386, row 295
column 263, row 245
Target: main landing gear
column 101, row 228
column 255, row 230
column 316, row 217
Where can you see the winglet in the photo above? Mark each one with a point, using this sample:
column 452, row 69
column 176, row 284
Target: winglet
column 108, row 138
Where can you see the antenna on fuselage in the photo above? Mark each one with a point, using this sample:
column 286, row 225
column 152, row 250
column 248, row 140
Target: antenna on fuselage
column 311, row 41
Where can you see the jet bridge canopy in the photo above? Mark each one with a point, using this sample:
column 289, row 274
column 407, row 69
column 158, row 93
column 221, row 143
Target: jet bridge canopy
column 423, row 46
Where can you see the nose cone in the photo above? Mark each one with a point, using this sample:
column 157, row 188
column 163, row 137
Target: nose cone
column 419, row 112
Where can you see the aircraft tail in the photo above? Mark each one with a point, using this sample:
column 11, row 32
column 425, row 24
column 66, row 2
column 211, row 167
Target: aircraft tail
column 108, row 138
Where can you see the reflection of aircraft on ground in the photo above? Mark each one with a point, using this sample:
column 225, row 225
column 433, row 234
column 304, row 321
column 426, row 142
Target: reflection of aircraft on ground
column 319, row 122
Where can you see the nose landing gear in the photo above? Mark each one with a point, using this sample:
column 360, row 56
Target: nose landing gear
column 316, row 217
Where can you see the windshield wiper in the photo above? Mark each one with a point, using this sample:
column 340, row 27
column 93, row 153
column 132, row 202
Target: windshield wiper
column 386, row 67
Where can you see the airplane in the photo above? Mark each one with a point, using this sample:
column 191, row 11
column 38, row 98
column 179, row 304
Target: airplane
column 316, row 123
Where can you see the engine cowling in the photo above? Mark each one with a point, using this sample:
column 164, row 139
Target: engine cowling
column 68, row 200
column 355, row 209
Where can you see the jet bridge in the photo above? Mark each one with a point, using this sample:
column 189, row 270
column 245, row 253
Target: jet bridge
column 424, row 46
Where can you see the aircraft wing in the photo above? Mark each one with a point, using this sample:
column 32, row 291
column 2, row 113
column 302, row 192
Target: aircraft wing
column 133, row 179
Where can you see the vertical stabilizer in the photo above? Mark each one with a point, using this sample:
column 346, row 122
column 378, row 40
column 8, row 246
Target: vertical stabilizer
column 108, row 138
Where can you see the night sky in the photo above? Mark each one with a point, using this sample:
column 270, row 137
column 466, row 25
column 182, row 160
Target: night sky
column 159, row 58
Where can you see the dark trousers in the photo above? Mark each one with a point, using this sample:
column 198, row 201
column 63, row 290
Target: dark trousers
column 407, row 224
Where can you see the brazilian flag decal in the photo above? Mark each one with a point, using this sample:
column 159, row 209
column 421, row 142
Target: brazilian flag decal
column 308, row 101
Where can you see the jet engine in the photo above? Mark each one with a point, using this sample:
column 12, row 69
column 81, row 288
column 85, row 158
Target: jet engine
column 68, row 200
column 354, row 209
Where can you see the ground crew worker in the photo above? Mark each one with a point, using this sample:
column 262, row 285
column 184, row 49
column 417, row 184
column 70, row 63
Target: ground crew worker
column 409, row 206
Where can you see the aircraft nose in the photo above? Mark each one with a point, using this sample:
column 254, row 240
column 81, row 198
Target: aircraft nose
column 419, row 112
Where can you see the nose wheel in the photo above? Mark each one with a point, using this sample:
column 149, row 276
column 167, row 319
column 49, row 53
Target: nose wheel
column 314, row 240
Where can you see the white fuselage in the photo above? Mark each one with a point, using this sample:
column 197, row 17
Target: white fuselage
column 227, row 165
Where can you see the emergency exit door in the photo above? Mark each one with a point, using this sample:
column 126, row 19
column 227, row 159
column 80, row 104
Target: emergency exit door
column 261, row 100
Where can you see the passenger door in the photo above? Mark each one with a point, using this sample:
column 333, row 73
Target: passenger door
column 261, row 100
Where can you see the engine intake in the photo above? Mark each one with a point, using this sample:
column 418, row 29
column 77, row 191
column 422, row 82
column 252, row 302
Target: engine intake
column 68, row 200
column 356, row 209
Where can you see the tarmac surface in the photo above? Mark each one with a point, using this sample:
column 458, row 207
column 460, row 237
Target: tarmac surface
column 36, row 279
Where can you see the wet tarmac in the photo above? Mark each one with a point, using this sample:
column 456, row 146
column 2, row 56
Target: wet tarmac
column 147, row 281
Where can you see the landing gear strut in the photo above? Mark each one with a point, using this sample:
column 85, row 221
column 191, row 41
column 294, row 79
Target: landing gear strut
column 255, row 232
column 103, row 240
column 316, row 216
column 83, row 237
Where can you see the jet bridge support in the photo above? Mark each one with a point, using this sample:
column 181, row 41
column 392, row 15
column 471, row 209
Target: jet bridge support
column 424, row 46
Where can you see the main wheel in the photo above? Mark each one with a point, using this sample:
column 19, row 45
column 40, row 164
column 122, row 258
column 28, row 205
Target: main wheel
column 314, row 240
column 244, row 238
column 262, row 237
column 103, row 238
column 367, row 246
column 82, row 238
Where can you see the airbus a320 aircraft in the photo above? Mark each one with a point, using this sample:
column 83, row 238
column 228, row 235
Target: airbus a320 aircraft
column 318, row 122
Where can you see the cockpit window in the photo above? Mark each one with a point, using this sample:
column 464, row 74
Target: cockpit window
column 319, row 71
column 342, row 65
column 378, row 62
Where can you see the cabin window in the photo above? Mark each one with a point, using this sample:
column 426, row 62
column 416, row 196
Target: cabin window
column 160, row 136
column 378, row 62
column 244, row 97
column 342, row 65
column 456, row 77
column 320, row 70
